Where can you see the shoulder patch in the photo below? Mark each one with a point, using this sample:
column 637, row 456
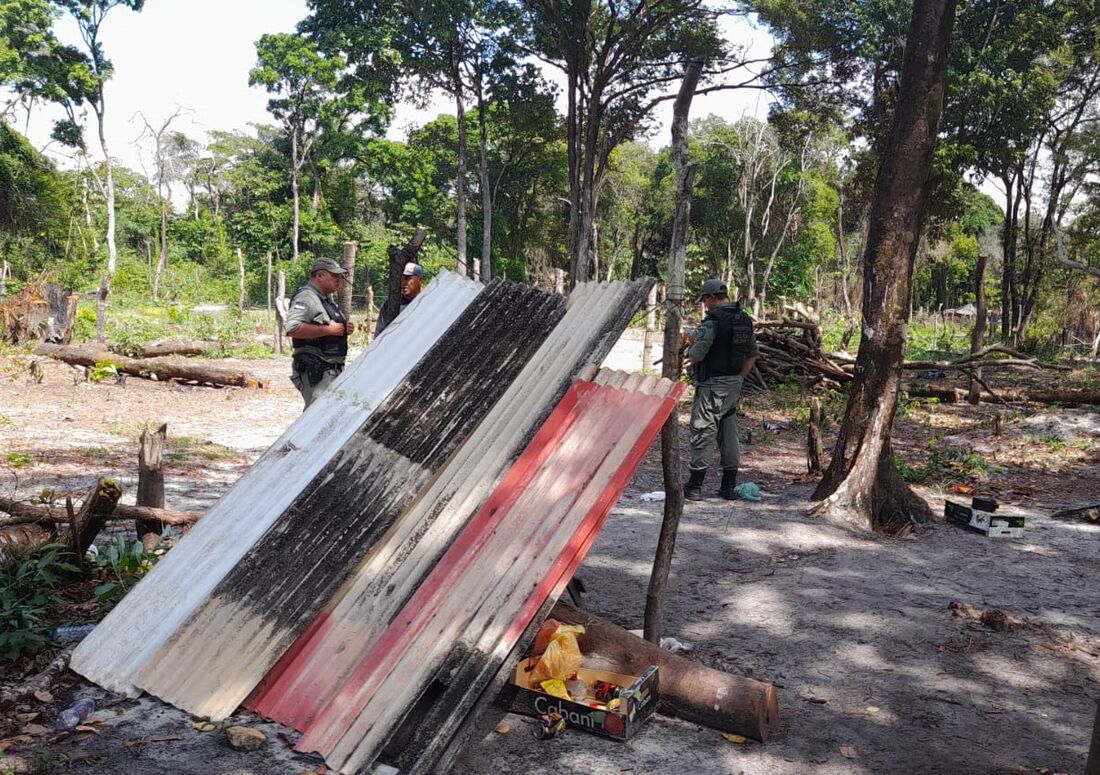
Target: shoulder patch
column 299, row 305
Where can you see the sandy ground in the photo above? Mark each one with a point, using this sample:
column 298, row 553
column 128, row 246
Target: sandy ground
column 875, row 674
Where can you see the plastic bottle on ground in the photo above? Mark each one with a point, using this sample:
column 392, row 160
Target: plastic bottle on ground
column 70, row 633
column 75, row 714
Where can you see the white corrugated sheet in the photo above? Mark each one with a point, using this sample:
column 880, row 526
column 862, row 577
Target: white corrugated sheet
column 147, row 617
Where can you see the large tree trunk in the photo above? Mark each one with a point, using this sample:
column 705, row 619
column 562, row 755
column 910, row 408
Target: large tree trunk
column 670, row 365
column 162, row 260
column 862, row 484
column 344, row 293
column 460, row 180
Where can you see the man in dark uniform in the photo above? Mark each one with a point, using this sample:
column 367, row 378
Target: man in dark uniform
column 318, row 330
column 723, row 351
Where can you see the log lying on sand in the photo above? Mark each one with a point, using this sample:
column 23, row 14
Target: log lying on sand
column 151, row 368
column 28, row 514
column 958, row 395
column 177, row 347
column 689, row 690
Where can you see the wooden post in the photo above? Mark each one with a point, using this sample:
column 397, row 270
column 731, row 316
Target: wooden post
column 150, row 489
column 370, row 310
column 269, row 288
column 98, row 506
column 974, row 395
column 5, row 273
column 650, row 329
column 670, row 365
column 559, row 281
column 815, row 446
column 240, row 281
column 280, row 312
column 343, row 295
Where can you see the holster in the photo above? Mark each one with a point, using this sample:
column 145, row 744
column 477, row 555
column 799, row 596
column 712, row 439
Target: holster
column 312, row 367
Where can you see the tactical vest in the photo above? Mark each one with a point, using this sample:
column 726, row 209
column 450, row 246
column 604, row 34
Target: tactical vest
column 333, row 345
column 731, row 345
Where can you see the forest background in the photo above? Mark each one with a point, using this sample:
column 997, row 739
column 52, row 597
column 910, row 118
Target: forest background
column 547, row 160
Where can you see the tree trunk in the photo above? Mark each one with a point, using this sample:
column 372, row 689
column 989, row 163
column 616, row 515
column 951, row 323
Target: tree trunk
column 815, row 444
column 5, row 273
column 162, row 260
column 460, row 181
column 297, row 199
column 269, row 285
column 862, row 484
column 98, row 506
column 27, row 514
column 343, row 295
column 486, row 191
column 370, row 309
column 112, row 248
column 150, row 489
column 650, row 329
column 977, row 335
column 689, row 690
column 240, row 282
column 280, row 311
column 670, row 365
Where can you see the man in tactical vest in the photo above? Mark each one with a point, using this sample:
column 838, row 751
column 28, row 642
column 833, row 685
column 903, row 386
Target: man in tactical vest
column 723, row 350
column 318, row 330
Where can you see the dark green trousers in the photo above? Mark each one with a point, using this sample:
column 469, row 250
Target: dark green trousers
column 714, row 423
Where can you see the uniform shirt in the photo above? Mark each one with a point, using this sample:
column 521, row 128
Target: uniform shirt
column 306, row 307
column 705, row 334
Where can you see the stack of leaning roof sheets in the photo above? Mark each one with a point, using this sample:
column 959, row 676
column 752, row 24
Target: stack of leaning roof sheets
column 377, row 591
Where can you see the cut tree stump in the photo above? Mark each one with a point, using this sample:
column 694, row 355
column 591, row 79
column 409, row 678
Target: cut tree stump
column 97, row 508
column 38, row 314
column 151, row 368
column 28, row 514
column 689, row 690
column 150, row 490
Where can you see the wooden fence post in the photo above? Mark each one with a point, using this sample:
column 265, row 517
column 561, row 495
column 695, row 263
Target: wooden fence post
column 240, row 281
column 344, row 293
column 280, row 312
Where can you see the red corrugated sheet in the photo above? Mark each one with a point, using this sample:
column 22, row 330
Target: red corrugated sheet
column 520, row 549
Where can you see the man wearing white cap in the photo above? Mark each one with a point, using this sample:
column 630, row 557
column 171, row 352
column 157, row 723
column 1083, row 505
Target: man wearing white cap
column 318, row 330
column 411, row 285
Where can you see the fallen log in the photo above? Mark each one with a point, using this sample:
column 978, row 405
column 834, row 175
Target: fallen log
column 957, row 395
column 1087, row 514
column 40, row 682
column 29, row 514
column 151, row 368
column 165, row 347
column 689, row 690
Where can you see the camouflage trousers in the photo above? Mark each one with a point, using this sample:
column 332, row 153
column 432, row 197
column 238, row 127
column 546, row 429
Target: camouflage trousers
column 714, row 423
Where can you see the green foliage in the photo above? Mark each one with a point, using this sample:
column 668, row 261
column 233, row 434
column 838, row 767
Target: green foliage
column 122, row 564
column 17, row 459
column 103, row 371
column 29, row 580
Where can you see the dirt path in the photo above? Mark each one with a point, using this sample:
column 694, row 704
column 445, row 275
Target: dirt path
column 875, row 673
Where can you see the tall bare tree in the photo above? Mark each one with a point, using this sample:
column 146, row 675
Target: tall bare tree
column 164, row 174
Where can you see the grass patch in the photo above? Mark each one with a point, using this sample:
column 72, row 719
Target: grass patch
column 184, row 447
column 17, row 459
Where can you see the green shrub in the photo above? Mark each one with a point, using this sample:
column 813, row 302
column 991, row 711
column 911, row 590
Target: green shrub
column 28, row 587
column 121, row 565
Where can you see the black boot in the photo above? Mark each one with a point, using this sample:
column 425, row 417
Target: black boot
column 729, row 484
column 693, row 487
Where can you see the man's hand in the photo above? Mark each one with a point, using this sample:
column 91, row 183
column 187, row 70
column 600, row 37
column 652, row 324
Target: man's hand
column 351, row 327
column 334, row 329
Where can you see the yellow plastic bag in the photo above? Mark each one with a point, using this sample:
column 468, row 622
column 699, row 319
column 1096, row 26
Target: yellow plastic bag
column 562, row 656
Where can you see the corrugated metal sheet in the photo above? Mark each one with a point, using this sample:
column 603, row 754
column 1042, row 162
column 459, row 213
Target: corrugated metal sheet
column 143, row 620
column 520, row 548
column 219, row 655
column 311, row 673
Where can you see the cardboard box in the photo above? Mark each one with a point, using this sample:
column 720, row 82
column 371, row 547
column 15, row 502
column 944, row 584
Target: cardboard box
column 984, row 522
column 638, row 701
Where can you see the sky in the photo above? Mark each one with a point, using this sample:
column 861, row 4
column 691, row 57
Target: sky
column 196, row 55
